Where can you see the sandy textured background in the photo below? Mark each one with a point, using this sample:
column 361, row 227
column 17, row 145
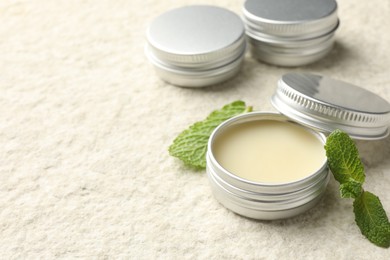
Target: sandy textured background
column 85, row 125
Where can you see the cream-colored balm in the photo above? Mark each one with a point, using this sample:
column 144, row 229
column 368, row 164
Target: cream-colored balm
column 269, row 151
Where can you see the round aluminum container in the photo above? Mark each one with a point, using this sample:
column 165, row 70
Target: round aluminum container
column 196, row 46
column 327, row 104
column 290, row 33
column 264, row 200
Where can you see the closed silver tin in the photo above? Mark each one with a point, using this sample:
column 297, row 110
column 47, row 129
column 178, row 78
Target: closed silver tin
column 264, row 200
column 196, row 46
column 290, row 33
column 327, row 104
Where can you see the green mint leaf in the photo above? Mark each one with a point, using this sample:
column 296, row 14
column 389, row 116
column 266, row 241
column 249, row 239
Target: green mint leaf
column 351, row 189
column 190, row 146
column 371, row 219
column 344, row 162
column 343, row 158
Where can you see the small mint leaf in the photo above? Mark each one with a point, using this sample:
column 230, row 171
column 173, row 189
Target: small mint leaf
column 372, row 219
column 351, row 189
column 343, row 158
column 190, row 146
column 344, row 162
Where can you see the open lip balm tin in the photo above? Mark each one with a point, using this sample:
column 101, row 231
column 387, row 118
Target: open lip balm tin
column 312, row 103
column 196, row 46
column 290, row 33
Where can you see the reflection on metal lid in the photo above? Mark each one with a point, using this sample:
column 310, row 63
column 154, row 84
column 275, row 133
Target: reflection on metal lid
column 328, row 104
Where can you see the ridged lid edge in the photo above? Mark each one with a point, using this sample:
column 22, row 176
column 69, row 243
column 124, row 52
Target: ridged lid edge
column 328, row 117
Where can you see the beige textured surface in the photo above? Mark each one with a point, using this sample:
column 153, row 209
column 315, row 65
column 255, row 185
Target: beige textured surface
column 85, row 125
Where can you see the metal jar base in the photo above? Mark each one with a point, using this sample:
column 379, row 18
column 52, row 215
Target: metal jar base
column 266, row 201
column 195, row 78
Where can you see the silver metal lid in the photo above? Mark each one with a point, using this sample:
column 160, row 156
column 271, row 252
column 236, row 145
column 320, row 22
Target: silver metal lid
column 197, row 36
column 298, row 18
column 328, row 104
column 187, row 77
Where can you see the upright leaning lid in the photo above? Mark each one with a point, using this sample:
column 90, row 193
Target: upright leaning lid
column 328, row 104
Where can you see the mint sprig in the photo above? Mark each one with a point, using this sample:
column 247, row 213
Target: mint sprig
column 343, row 160
column 348, row 170
column 190, row 146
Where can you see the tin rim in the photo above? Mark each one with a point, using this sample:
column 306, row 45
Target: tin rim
column 287, row 186
column 268, row 197
column 267, row 215
column 260, row 205
column 327, row 116
column 197, row 78
column 256, row 36
column 294, row 51
column 288, row 60
column 209, row 61
column 212, row 68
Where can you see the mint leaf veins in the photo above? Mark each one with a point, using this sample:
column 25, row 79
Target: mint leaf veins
column 343, row 158
column 348, row 170
column 190, row 146
column 372, row 219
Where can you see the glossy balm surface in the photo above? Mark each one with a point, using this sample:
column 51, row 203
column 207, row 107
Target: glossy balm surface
column 269, row 151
